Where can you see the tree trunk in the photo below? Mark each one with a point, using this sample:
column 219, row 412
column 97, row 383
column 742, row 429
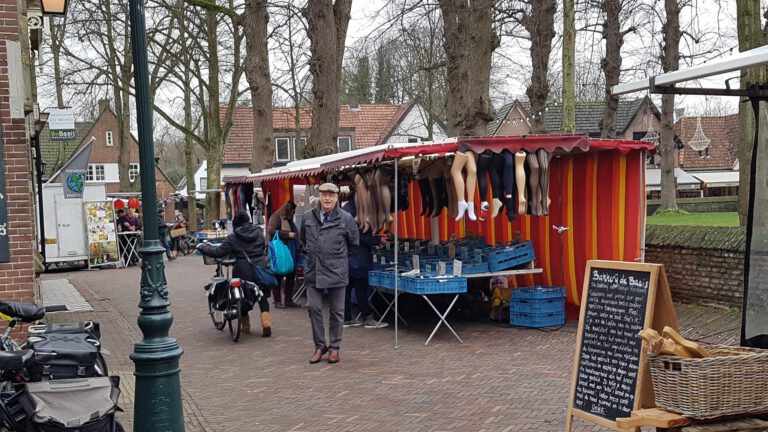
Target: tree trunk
column 469, row 42
column 189, row 143
column 611, row 65
column 124, row 140
column 750, row 36
column 215, row 158
column 540, row 24
column 569, row 67
column 667, row 150
column 256, row 19
column 57, row 36
column 214, row 153
column 327, row 23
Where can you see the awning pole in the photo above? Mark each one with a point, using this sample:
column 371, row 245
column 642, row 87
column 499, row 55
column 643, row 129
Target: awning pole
column 397, row 234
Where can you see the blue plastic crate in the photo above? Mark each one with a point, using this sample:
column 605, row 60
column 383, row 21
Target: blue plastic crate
column 538, row 293
column 509, row 256
column 474, row 267
column 537, row 320
column 537, row 307
column 374, row 278
column 424, row 284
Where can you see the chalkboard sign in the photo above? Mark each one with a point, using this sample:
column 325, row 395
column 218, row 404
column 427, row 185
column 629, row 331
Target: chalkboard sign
column 610, row 377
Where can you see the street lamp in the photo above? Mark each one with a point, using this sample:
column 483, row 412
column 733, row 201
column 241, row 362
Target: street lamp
column 158, row 390
column 54, row 7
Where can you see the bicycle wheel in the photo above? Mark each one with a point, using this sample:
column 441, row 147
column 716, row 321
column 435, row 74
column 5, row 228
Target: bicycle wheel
column 183, row 245
column 233, row 318
column 217, row 316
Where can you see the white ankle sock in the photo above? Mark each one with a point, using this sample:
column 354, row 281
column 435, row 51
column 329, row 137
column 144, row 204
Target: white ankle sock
column 462, row 209
column 496, row 207
column 471, row 211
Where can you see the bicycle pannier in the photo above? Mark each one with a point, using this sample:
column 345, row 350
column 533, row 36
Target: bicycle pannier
column 62, row 356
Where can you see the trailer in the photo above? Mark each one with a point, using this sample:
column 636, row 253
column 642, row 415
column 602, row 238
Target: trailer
column 66, row 240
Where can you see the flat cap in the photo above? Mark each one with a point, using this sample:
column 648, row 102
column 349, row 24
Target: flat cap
column 329, row 187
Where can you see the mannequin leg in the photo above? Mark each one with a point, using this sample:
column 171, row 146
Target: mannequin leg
column 358, row 203
column 533, row 183
column 471, row 185
column 426, row 197
column 520, row 182
column 497, row 174
column 544, row 179
column 385, row 211
column 372, row 202
column 484, row 168
column 434, row 188
column 509, row 184
column 459, row 161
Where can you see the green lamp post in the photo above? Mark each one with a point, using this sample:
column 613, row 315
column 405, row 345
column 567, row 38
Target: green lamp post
column 158, row 390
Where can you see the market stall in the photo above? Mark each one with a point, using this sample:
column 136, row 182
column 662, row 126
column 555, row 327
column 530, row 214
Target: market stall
column 597, row 192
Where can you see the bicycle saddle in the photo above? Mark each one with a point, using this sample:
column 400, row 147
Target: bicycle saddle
column 27, row 312
column 227, row 262
column 16, row 360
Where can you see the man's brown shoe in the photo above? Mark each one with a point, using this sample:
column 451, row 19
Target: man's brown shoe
column 333, row 356
column 318, row 355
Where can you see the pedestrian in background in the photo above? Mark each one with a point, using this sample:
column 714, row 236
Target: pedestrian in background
column 360, row 263
column 327, row 233
column 281, row 222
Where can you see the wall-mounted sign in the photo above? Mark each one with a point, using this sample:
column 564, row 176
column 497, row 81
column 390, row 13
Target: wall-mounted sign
column 61, row 122
column 5, row 254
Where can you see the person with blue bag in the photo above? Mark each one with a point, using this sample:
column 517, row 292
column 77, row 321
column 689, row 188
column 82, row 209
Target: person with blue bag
column 246, row 245
column 281, row 224
column 327, row 232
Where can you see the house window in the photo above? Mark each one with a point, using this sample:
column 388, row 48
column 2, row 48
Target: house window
column 704, row 154
column 413, row 140
column 203, row 183
column 298, row 150
column 344, row 143
column 282, row 149
column 110, row 143
column 133, row 172
column 95, row 172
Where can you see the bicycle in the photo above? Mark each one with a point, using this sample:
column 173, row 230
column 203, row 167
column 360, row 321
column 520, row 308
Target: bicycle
column 225, row 297
column 182, row 243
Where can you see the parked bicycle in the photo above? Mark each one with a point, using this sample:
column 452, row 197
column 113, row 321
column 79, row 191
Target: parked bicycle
column 225, row 297
column 57, row 362
column 182, row 243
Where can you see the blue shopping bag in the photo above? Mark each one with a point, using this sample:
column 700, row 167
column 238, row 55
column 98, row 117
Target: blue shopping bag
column 280, row 256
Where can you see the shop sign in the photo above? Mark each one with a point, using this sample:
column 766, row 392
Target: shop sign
column 61, row 123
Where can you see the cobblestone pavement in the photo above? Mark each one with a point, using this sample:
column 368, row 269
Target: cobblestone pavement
column 500, row 379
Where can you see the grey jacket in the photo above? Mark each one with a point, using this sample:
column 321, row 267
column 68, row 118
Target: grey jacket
column 327, row 246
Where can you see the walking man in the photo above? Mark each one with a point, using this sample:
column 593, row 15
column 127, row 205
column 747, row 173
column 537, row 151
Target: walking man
column 327, row 233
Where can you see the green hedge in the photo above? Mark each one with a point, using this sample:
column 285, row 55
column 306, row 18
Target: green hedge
column 697, row 237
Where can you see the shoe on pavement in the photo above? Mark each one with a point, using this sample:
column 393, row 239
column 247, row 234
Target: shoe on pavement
column 279, row 305
column 318, row 355
column 353, row 323
column 372, row 323
column 291, row 305
column 333, row 356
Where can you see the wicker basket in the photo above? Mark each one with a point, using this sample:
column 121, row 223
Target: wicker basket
column 733, row 381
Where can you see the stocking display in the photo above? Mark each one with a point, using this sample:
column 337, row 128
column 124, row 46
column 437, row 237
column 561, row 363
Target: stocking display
column 427, row 203
column 534, row 194
column 510, row 187
column 520, row 182
column 465, row 191
column 497, row 174
column 484, row 161
column 543, row 157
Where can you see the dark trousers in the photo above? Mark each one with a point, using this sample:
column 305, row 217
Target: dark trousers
column 164, row 242
column 336, row 312
column 290, row 280
column 360, row 285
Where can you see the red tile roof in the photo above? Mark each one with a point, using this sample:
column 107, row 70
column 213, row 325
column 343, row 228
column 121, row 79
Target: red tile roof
column 371, row 124
column 724, row 134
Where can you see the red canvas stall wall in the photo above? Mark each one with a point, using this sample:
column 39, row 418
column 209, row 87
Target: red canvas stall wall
column 598, row 196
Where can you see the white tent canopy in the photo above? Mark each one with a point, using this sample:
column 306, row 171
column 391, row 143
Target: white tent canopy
column 684, row 180
column 712, row 179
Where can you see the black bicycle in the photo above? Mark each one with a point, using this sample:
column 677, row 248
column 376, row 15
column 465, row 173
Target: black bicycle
column 225, row 297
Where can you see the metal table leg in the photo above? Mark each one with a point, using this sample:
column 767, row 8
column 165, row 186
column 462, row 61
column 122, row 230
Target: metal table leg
column 300, row 291
column 442, row 318
column 389, row 305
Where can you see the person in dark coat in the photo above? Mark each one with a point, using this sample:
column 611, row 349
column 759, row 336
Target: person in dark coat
column 162, row 232
column 281, row 222
column 327, row 233
column 360, row 263
column 245, row 243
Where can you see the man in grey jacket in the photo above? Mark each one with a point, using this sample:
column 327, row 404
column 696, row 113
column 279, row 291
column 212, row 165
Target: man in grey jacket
column 327, row 233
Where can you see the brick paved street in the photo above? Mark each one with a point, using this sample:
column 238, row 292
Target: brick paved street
column 500, row 379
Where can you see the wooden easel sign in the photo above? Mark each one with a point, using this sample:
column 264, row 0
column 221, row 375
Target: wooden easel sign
column 611, row 375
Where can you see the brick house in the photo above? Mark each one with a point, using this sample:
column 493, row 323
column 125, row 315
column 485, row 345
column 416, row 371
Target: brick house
column 634, row 118
column 716, row 166
column 105, row 153
column 17, row 119
column 360, row 126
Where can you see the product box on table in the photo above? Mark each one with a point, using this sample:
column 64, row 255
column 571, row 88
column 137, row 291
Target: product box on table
column 506, row 257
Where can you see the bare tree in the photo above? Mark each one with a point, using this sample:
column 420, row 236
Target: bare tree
column 569, row 67
column 256, row 20
column 667, row 149
column 327, row 29
column 469, row 41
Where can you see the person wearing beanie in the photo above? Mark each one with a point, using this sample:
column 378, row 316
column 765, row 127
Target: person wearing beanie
column 246, row 245
column 162, row 232
column 328, row 233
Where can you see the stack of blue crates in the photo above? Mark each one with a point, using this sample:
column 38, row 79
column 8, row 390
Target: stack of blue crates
column 537, row 307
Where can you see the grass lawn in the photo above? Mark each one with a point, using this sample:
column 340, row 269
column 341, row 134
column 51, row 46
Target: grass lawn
column 698, row 219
